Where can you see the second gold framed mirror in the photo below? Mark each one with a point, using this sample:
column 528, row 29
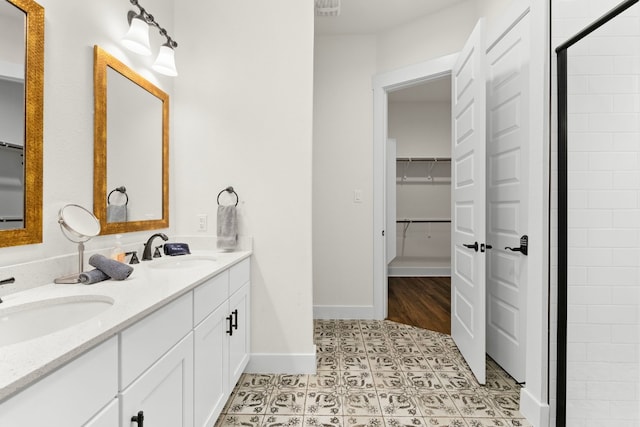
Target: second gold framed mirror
column 131, row 149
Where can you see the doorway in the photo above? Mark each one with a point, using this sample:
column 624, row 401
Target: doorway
column 488, row 193
column 419, row 123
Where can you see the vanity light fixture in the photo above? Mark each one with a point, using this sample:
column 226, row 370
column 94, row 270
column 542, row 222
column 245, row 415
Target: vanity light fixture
column 137, row 40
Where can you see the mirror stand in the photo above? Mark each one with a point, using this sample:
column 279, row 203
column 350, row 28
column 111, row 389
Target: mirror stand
column 75, row 277
column 78, row 225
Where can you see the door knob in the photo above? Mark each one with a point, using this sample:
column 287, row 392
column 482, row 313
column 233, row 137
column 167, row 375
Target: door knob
column 473, row 246
column 524, row 246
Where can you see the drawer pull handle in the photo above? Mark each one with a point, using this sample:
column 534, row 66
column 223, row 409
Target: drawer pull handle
column 235, row 319
column 230, row 320
column 138, row 419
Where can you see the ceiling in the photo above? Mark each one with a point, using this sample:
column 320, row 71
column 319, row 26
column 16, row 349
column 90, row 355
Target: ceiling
column 374, row 16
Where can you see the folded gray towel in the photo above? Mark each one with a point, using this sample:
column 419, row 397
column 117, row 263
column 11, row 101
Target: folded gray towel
column 114, row 269
column 227, row 227
column 116, row 213
column 92, row 276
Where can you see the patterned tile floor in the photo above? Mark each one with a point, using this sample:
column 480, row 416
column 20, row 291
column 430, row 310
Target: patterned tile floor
column 377, row 373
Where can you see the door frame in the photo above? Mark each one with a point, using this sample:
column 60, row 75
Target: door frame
column 382, row 84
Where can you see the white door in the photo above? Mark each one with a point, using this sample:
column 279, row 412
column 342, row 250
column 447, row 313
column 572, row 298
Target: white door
column 468, row 203
column 390, row 233
column 507, row 195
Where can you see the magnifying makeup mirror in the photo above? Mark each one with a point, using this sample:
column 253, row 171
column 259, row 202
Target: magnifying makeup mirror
column 78, row 225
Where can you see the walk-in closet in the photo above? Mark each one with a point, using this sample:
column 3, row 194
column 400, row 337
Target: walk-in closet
column 419, row 120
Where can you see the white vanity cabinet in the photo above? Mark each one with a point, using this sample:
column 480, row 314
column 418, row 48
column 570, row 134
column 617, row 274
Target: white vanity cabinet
column 176, row 367
column 221, row 334
column 74, row 395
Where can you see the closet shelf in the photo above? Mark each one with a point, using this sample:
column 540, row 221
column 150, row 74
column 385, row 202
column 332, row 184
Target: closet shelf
column 4, row 144
column 11, row 219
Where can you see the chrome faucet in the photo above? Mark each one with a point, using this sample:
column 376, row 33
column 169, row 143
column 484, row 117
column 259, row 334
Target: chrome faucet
column 146, row 254
column 6, row 282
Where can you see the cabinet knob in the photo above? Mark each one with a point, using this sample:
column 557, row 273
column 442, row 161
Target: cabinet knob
column 138, row 419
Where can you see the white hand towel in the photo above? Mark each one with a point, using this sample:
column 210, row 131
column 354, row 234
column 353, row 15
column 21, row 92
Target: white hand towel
column 227, row 227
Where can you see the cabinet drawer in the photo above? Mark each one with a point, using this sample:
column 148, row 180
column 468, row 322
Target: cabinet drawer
column 208, row 296
column 239, row 274
column 146, row 341
column 69, row 396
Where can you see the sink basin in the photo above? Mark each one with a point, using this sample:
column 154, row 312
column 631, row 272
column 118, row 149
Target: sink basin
column 183, row 262
column 36, row 319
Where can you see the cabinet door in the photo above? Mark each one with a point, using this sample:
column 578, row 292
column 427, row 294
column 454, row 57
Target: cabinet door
column 210, row 371
column 164, row 392
column 239, row 341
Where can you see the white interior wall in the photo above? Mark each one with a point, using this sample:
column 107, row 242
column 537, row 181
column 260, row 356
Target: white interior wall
column 342, row 163
column 421, row 129
column 604, row 336
column 244, row 113
column 71, row 30
column 429, row 37
column 243, row 117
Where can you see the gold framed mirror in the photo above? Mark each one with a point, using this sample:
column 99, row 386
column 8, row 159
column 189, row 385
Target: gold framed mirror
column 22, row 63
column 131, row 149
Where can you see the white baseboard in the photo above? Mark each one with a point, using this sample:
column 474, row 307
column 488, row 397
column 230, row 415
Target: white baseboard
column 273, row 363
column 361, row 312
column 534, row 411
column 419, row 271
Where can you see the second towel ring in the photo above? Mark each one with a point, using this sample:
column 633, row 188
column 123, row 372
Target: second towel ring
column 229, row 190
column 122, row 190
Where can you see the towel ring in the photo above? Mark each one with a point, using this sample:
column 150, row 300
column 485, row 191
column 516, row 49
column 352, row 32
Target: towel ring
column 122, row 190
column 229, row 190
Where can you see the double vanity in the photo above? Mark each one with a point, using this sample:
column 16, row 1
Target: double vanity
column 164, row 347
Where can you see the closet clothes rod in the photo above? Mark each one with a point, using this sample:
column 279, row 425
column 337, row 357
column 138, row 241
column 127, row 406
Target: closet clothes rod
column 423, row 159
column 416, row 221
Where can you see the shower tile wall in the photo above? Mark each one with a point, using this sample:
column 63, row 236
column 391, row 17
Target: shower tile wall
column 603, row 369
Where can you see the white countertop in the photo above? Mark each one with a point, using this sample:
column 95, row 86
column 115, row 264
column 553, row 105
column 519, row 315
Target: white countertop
column 146, row 290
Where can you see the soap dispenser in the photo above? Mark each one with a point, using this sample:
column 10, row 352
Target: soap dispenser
column 118, row 253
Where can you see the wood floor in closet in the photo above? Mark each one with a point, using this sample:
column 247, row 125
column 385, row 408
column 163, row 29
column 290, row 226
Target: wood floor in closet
column 424, row 302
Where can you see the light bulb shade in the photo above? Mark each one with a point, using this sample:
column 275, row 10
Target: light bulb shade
column 165, row 62
column 137, row 38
